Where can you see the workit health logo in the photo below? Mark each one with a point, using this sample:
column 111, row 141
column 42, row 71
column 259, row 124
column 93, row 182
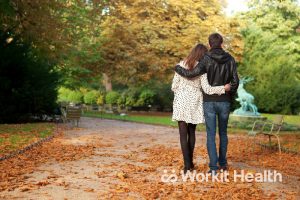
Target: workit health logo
column 268, row 176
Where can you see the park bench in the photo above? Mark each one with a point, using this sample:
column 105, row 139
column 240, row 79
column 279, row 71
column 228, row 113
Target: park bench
column 71, row 114
column 115, row 110
column 122, row 112
column 269, row 129
column 108, row 109
column 101, row 110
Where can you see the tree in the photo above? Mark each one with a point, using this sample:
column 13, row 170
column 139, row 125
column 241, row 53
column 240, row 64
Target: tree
column 38, row 23
column 82, row 65
column 272, row 48
column 64, row 31
column 143, row 40
column 125, row 43
column 28, row 81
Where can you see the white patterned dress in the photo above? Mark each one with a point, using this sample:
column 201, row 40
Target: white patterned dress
column 188, row 98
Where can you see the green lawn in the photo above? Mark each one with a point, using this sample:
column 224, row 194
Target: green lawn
column 158, row 120
column 16, row 136
column 166, row 120
column 147, row 119
column 291, row 119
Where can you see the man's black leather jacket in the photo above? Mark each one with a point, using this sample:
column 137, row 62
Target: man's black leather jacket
column 221, row 69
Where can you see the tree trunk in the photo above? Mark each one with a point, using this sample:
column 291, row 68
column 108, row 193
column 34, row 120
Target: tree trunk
column 107, row 82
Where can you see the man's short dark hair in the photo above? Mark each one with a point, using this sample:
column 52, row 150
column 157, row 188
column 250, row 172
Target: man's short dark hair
column 215, row 40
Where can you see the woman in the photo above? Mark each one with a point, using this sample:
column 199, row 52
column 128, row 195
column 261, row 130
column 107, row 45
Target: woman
column 188, row 103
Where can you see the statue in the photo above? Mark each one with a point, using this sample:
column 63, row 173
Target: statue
column 246, row 100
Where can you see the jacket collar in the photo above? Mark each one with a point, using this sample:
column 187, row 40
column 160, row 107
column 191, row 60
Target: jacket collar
column 216, row 48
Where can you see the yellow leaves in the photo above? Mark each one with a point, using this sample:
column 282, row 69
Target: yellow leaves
column 89, row 190
column 162, row 31
column 63, row 183
column 25, row 189
column 9, row 40
column 43, row 183
column 121, row 175
column 121, row 189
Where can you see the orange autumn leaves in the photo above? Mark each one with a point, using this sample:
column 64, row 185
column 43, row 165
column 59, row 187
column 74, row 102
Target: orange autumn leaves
column 12, row 170
column 139, row 174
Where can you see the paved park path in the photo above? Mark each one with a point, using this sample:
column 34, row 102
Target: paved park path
column 130, row 166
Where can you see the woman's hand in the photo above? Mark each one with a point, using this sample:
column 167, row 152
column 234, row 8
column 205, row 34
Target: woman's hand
column 227, row 87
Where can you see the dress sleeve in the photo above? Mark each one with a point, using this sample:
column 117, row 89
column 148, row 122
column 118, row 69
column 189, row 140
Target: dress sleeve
column 175, row 82
column 208, row 89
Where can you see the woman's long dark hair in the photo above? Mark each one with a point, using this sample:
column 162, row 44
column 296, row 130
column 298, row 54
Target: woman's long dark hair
column 196, row 54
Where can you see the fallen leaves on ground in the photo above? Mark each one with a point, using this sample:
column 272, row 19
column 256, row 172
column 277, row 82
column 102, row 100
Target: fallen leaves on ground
column 12, row 171
column 139, row 176
column 144, row 181
column 240, row 150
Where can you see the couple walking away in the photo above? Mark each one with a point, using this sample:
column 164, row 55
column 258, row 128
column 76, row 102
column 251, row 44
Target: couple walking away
column 203, row 85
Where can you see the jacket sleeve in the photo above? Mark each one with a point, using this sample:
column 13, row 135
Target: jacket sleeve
column 175, row 82
column 208, row 89
column 198, row 70
column 234, row 83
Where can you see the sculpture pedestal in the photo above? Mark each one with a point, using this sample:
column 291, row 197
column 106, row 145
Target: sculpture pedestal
column 245, row 118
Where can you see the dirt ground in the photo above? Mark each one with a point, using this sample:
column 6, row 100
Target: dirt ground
column 130, row 163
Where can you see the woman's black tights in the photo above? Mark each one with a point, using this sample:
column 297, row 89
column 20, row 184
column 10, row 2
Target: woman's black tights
column 187, row 142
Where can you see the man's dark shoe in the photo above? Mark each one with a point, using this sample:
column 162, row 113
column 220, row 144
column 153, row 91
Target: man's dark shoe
column 224, row 168
column 212, row 172
column 185, row 169
column 192, row 166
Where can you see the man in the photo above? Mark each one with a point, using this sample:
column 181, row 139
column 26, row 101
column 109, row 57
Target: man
column 221, row 69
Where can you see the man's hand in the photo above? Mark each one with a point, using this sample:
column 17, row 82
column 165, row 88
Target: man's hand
column 196, row 71
column 227, row 87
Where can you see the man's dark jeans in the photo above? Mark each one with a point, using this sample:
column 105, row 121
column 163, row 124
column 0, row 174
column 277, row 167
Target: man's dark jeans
column 212, row 111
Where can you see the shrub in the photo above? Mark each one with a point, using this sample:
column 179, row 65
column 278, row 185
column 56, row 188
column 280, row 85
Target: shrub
column 122, row 99
column 131, row 97
column 67, row 95
column 100, row 99
column 75, row 97
column 63, row 94
column 153, row 93
column 146, row 98
column 91, row 97
column 112, row 97
column 164, row 95
column 130, row 101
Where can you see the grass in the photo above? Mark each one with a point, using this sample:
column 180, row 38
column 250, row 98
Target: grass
column 166, row 120
column 290, row 119
column 148, row 119
column 16, row 136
